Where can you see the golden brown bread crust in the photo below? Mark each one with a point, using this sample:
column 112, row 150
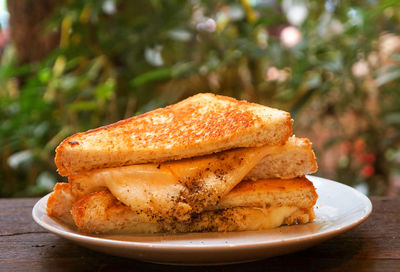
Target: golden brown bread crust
column 298, row 192
column 199, row 125
column 273, row 185
column 60, row 202
column 101, row 208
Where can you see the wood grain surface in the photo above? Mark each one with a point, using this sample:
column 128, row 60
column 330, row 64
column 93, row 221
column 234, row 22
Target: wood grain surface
column 372, row 246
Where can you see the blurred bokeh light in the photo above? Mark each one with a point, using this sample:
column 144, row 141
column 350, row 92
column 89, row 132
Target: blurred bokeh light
column 74, row 65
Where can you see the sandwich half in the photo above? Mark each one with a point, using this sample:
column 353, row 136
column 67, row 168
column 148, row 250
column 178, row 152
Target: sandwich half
column 177, row 168
column 252, row 205
column 200, row 125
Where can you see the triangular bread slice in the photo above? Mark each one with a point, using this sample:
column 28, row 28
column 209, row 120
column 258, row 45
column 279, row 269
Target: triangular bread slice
column 200, row 125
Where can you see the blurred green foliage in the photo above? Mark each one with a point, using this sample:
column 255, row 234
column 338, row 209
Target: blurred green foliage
column 120, row 58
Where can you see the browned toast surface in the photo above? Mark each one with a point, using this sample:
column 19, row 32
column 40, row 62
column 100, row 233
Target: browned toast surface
column 199, row 125
column 299, row 192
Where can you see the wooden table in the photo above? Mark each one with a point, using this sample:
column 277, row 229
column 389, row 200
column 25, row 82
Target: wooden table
column 372, row 246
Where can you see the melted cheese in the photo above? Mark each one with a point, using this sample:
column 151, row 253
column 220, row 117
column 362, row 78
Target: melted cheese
column 242, row 218
column 173, row 189
column 276, row 217
column 151, row 191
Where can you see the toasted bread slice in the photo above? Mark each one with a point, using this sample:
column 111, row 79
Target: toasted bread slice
column 200, row 125
column 252, row 205
column 294, row 159
column 60, row 203
column 262, row 193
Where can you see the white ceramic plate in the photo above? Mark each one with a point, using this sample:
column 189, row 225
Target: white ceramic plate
column 339, row 208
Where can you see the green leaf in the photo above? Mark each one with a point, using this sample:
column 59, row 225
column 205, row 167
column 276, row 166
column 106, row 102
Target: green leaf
column 103, row 92
column 154, row 75
column 44, row 75
column 83, row 106
column 181, row 69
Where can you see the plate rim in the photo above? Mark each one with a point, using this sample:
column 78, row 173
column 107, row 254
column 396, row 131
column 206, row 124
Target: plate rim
column 95, row 240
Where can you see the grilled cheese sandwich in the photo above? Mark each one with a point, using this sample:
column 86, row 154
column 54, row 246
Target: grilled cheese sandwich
column 188, row 185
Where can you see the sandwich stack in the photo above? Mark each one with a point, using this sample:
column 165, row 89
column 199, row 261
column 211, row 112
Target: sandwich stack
column 207, row 163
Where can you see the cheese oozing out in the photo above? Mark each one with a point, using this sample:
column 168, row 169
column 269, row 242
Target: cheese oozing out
column 242, row 218
column 175, row 189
